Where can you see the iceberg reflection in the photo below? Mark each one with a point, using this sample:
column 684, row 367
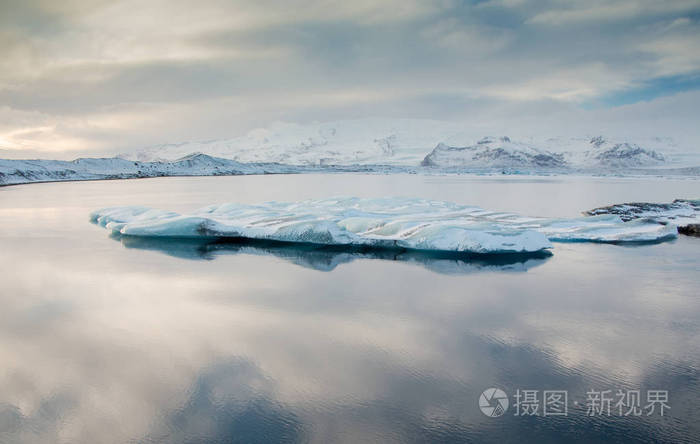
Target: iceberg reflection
column 327, row 258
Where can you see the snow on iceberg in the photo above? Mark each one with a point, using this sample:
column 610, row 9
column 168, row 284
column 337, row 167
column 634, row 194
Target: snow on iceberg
column 683, row 214
column 678, row 212
column 402, row 223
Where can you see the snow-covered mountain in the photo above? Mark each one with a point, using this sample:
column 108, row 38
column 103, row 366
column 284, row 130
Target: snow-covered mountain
column 412, row 142
column 599, row 151
column 493, row 152
column 372, row 145
column 625, row 155
column 582, row 154
column 345, row 142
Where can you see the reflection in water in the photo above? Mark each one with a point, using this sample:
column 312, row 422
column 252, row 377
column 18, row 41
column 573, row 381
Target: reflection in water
column 105, row 344
column 231, row 402
column 327, row 258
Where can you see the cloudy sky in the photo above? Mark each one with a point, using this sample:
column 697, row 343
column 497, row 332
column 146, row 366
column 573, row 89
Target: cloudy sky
column 97, row 77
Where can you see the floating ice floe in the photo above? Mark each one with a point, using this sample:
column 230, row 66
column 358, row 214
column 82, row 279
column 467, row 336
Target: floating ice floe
column 679, row 212
column 401, row 223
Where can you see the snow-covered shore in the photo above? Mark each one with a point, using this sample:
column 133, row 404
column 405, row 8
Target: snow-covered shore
column 15, row 172
column 27, row 171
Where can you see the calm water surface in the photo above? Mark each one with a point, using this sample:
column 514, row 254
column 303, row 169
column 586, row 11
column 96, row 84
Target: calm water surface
column 107, row 341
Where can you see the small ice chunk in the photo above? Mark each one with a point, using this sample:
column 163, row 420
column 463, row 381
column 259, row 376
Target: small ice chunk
column 679, row 212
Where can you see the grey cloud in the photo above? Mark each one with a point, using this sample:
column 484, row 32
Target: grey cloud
column 75, row 60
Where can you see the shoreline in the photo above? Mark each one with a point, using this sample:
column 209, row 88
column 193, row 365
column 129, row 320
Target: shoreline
column 387, row 170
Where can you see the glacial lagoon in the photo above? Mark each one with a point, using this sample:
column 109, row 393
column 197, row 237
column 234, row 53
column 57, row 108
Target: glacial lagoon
column 108, row 339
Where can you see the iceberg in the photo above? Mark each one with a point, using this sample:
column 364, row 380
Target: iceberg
column 684, row 214
column 678, row 212
column 384, row 223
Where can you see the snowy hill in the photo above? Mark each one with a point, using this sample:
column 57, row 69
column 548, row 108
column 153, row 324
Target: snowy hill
column 625, row 155
column 581, row 154
column 599, row 151
column 492, row 152
column 24, row 171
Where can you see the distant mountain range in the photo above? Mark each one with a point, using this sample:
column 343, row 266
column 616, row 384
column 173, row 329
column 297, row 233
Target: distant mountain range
column 413, row 142
column 24, row 171
column 375, row 145
column 502, row 152
column 346, row 142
